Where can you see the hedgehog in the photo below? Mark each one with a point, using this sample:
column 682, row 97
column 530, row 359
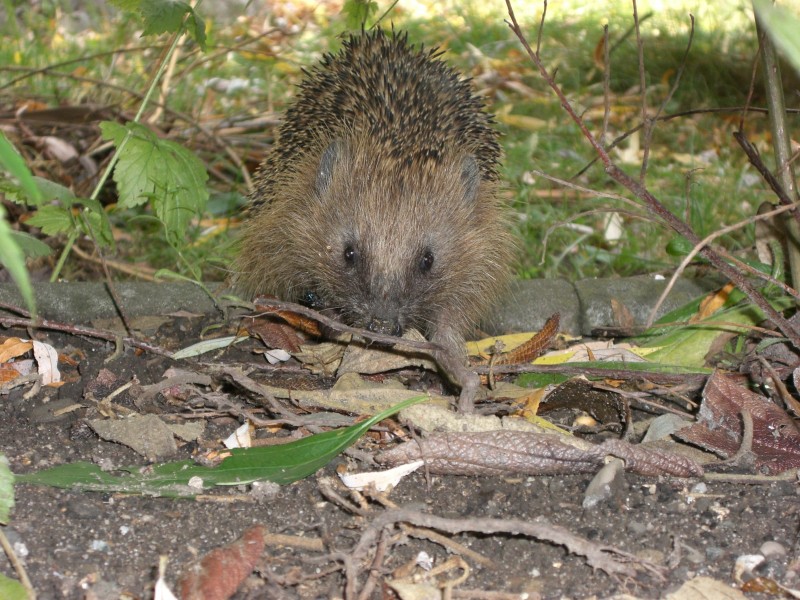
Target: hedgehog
column 379, row 200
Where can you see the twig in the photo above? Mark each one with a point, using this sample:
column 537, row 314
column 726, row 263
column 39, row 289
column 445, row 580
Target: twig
column 451, row 365
column 145, row 274
column 606, row 85
column 18, row 566
column 102, row 334
column 684, row 113
column 374, row 568
column 607, row 558
column 651, row 122
column 646, row 123
column 781, row 145
column 652, row 203
column 707, row 240
column 755, row 159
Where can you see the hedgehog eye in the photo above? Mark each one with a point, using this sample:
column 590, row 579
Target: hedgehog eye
column 350, row 255
column 426, row 262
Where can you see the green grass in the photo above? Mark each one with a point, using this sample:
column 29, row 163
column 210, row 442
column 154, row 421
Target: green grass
column 695, row 167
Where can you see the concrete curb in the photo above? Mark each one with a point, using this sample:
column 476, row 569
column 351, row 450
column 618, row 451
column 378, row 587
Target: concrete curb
column 583, row 306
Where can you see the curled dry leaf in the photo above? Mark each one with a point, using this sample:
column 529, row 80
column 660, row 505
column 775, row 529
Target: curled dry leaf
column 275, row 334
column 45, row 355
column 533, row 348
column 529, row 453
column 295, row 320
column 220, row 572
column 776, row 437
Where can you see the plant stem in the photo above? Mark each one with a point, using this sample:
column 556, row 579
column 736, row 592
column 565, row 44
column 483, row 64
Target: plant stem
column 112, row 163
column 784, row 169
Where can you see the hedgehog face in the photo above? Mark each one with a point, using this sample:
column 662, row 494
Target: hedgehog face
column 387, row 234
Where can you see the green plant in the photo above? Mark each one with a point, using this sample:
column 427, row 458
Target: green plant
column 146, row 169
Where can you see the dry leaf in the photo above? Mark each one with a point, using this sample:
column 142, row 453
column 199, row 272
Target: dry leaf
column 776, row 437
column 712, row 303
column 220, row 572
column 504, row 453
column 275, row 334
column 14, row 347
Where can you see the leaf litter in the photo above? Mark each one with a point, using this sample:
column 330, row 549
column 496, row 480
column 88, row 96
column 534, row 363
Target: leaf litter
column 498, row 444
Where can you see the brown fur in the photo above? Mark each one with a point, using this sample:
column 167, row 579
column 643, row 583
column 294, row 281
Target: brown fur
column 380, row 196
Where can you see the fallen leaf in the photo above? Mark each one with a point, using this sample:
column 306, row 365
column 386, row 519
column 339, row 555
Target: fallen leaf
column 47, row 361
column 719, row 427
column 220, row 572
column 146, row 434
column 369, row 360
column 712, row 303
column 534, row 347
column 14, row 347
column 380, row 480
column 505, row 452
column 275, row 334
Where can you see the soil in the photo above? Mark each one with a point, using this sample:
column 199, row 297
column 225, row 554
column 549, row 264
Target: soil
column 94, row 545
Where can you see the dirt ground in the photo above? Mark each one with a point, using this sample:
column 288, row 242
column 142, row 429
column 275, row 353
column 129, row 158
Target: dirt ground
column 93, row 545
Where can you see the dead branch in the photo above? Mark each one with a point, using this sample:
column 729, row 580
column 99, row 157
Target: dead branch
column 650, row 201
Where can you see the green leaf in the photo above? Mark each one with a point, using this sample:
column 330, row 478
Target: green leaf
column 51, row 190
column 783, row 25
column 679, row 246
column 160, row 171
column 53, row 220
column 162, row 16
column 6, row 490
column 358, row 12
column 282, row 464
column 129, row 5
column 14, row 164
column 12, row 258
column 47, row 191
column 97, row 220
column 30, row 246
column 689, row 344
column 196, row 28
column 11, row 589
column 538, row 380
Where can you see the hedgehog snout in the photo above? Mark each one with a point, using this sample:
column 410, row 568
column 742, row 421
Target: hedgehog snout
column 385, row 326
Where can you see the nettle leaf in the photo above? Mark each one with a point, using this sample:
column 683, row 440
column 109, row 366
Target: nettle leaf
column 52, row 220
column 30, row 246
column 50, row 190
column 161, row 16
column 97, row 220
column 129, row 5
column 160, row 171
column 358, row 12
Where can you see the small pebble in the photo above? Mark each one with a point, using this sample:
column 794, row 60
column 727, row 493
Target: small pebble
column 772, row 550
column 637, row 527
column 82, row 509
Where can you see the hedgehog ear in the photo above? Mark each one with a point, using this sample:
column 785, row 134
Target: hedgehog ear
column 332, row 155
column 471, row 177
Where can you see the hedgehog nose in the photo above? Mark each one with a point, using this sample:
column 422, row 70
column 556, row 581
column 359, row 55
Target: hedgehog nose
column 384, row 327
